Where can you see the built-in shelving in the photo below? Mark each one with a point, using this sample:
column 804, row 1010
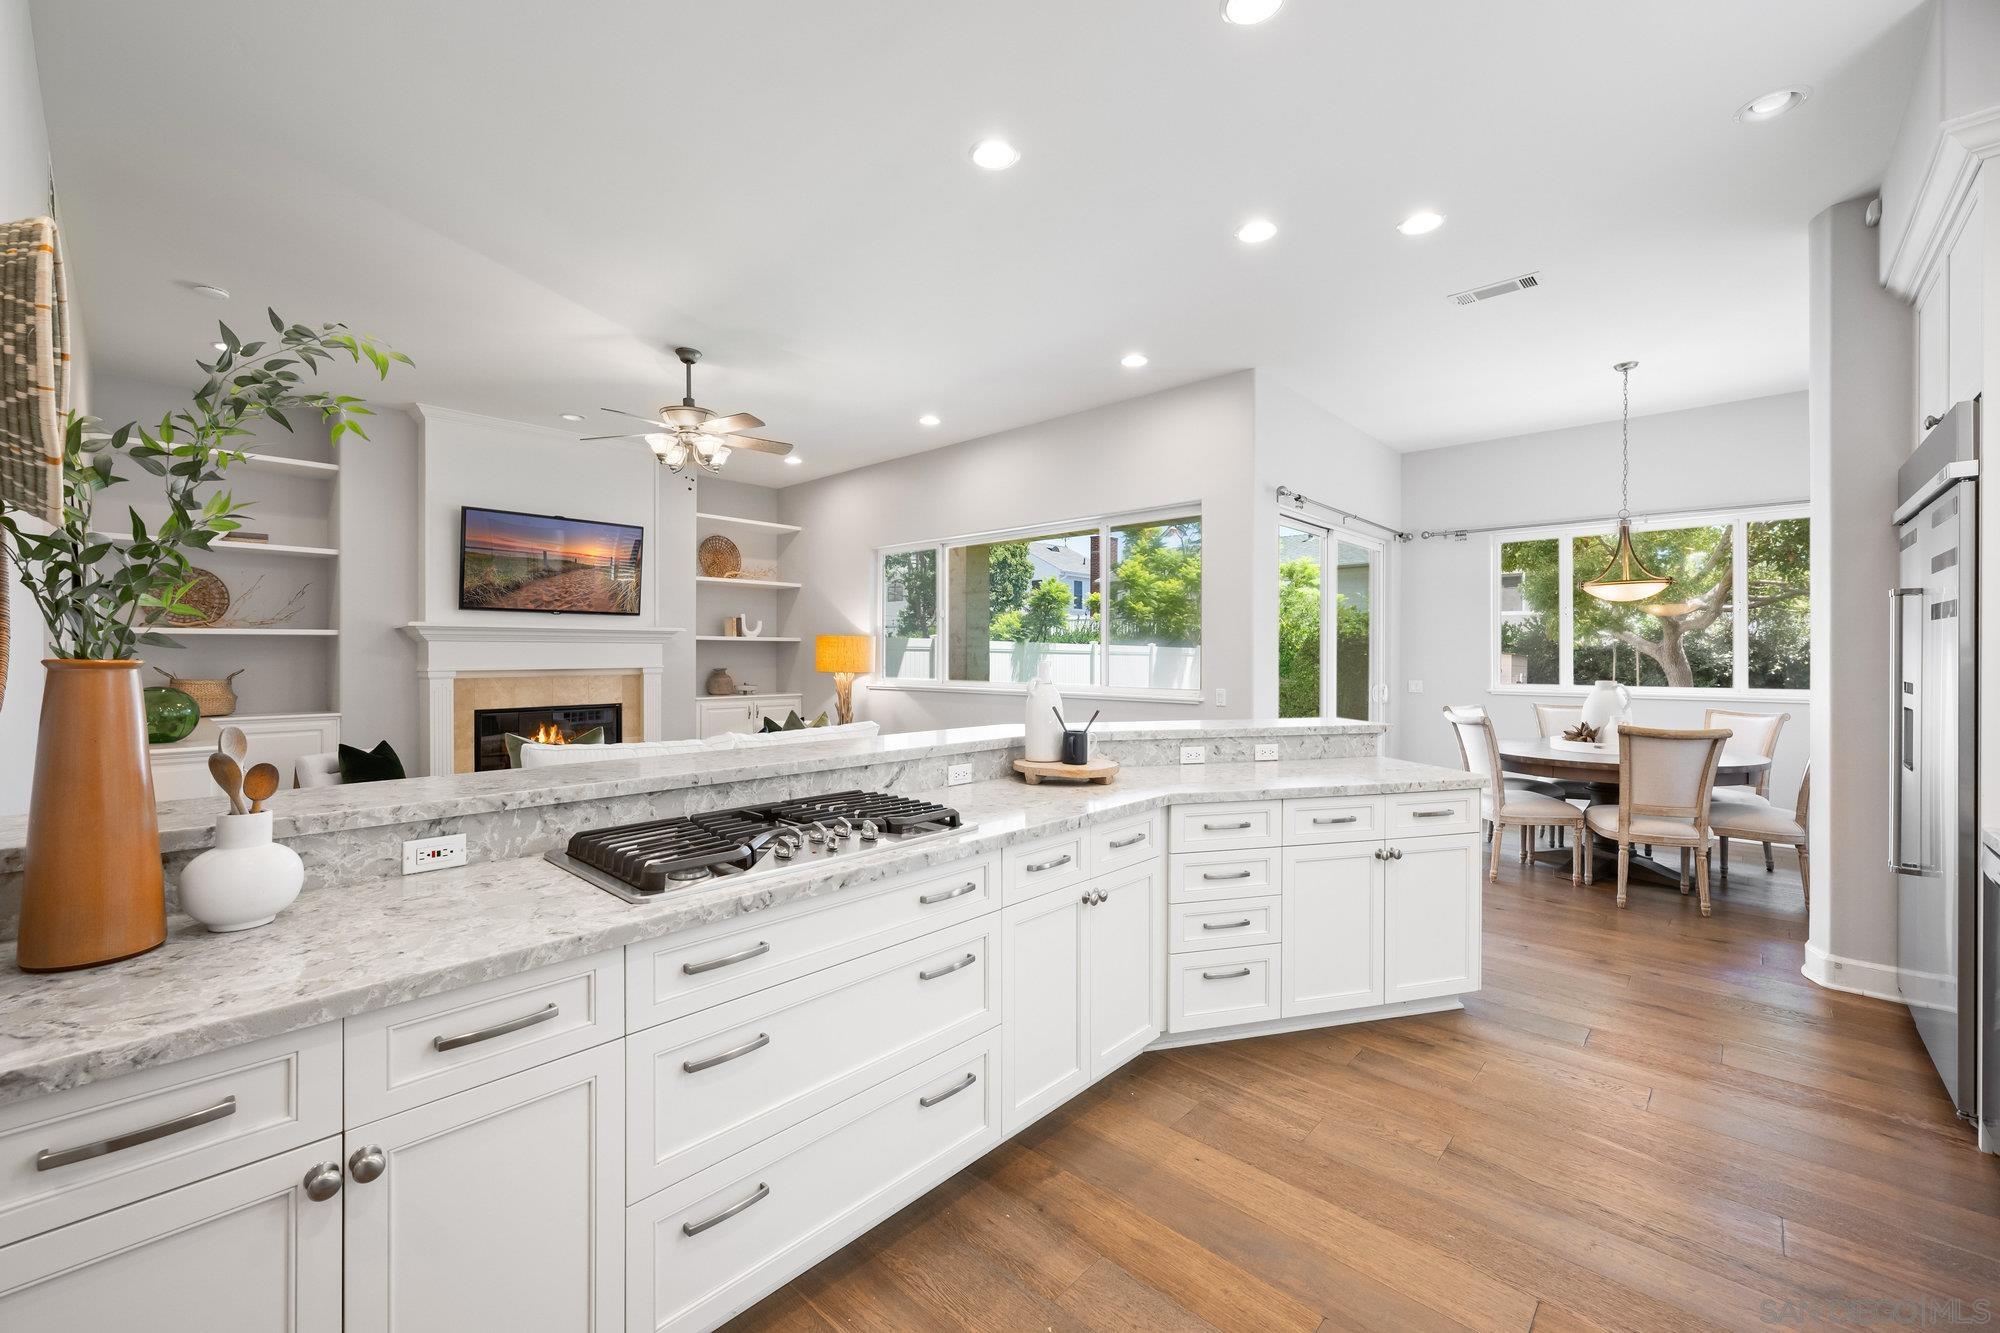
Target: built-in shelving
column 226, row 544
column 749, row 583
column 742, row 638
column 241, row 631
column 298, row 467
column 753, row 524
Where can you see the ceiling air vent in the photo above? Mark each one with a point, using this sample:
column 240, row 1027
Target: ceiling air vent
column 1493, row 289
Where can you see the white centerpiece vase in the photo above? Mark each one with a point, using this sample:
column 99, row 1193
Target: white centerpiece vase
column 1607, row 706
column 244, row 880
column 1041, row 742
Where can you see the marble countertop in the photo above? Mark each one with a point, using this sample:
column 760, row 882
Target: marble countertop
column 186, row 825
column 344, row 951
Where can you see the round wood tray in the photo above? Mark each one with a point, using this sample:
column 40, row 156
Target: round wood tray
column 1097, row 770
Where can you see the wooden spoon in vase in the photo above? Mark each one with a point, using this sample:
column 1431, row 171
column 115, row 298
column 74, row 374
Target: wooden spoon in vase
column 228, row 775
column 260, row 784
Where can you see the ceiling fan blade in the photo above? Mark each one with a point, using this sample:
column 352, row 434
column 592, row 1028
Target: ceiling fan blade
column 636, row 417
column 735, row 421
column 755, row 445
column 635, row 435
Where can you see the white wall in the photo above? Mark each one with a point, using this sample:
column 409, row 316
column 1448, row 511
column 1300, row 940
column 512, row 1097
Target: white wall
column 1190, row 444
column 24, row 193
column 375, row 528
column 1725, row 456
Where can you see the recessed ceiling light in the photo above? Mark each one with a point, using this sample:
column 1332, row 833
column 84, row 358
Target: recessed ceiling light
column 220, row 347
column 995, row 154
column 572, row 416
column 1773, row 104
column 793, row 460
column 210, row 290
column 929, row 419
column 1247, row 12
column 1132, row 360
column 1256, row 231
column 1420, row 222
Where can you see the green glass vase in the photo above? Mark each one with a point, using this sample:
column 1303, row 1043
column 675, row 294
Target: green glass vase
column 171, row 714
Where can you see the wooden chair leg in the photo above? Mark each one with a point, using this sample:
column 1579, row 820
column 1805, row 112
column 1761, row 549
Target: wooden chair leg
column 1725, row 861
column 1493, row 871
column 1576, row 859
column 1701, row 878
column 1527, row 842
column 1684, row 870
column 1770, row 866
column 1589, row 860
column 1624, row 866
column 1805, row 877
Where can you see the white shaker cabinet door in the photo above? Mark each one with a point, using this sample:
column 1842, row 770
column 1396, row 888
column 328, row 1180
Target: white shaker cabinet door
column 1332, row 949
column 496, row 1208
column 1047, row 1001
column 1126, row 922
column 247, row 1251
column 1431, row 910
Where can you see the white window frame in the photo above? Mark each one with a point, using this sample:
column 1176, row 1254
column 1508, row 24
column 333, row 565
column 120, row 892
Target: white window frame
column 1737, row 520
column 1330, row 538
column 1102, row 525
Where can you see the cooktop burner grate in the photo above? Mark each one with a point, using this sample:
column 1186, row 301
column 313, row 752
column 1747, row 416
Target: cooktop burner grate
column 892, row 814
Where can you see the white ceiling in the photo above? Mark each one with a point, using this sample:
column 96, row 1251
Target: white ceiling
column 535, row 201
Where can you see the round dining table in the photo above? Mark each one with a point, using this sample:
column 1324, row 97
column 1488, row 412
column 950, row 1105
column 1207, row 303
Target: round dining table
column 1538, row 756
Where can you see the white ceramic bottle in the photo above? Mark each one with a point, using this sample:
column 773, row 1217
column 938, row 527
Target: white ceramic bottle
column 1607, row 704
column 1042, row 743
column 244, row 880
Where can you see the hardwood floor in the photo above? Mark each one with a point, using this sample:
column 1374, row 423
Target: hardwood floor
column 1645, row 1120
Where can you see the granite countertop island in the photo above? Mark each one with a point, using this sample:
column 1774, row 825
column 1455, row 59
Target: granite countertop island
column 366, row 945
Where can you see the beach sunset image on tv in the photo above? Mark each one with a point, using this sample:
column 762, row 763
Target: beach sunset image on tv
column 536, row 562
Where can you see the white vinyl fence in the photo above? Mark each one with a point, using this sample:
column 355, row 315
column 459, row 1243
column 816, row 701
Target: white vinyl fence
column 1133, row 665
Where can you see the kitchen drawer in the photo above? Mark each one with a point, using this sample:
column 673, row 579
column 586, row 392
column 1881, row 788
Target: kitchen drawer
column 1333, row 819
column 717, row 1082
column 709, row 1247
column 1194, row 877
column 1421, row 814
column 1218, row 828
column 1222, row 988
column 1129, row 842
column 1029, row 869
column 430, row 1048
column 176, row 1123
column 683, row 973
column 1232, row 923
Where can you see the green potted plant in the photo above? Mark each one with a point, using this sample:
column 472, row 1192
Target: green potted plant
column 92, row 888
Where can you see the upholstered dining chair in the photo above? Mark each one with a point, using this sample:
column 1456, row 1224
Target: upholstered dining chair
column 1761, row 821
column 1555, row 719
column 1502, row 805
column 1755, row 733
column 1665, row 778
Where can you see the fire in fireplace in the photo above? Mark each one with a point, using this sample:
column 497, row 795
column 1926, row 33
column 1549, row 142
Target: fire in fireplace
column 551, row 726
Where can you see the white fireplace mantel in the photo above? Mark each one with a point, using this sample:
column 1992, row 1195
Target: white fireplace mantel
column 447, row 650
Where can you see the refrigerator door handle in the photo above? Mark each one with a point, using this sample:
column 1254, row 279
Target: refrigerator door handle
column 1896, row 861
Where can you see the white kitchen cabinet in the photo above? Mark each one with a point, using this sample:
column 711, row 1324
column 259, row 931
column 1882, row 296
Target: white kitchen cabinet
column 246, row 1251
column 1331, row 950
column 1933, row 350
column 1047, row 1003
column 1125, row 966
column 743, row 713
column 1965, row 275
column 1431, row 919
column 498, row 1207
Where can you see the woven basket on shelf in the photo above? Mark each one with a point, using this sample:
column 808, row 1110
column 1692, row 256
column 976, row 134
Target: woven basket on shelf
column 719, row 557
column 215, row 698
column 208, row 595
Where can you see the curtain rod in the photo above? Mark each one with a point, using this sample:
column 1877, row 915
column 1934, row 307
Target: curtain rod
column 1299, row 501
column 1609, row 521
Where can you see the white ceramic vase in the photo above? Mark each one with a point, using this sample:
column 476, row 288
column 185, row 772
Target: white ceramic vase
column 1606, row 706
column 244, row 880
column 1042, row 742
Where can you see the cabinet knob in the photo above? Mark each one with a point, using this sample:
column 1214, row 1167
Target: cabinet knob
column 323, row 1182
column 367, row 1164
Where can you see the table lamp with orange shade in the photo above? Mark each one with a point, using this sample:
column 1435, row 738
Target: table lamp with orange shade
column 844, row 656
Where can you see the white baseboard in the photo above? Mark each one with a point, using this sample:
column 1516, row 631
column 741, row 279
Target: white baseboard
column 1854, row 975
column 1207, row 1036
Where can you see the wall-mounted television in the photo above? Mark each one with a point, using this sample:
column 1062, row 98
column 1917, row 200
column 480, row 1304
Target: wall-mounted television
column 510, row 561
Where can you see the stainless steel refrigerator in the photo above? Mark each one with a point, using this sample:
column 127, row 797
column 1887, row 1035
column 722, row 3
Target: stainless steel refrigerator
column 1934, row 836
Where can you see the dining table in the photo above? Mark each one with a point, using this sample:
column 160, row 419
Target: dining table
column 1542, row 757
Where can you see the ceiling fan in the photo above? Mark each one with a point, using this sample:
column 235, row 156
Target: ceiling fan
column 690, row 434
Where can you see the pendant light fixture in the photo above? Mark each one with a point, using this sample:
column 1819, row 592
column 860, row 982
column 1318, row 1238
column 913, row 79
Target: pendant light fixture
column 1625, row 578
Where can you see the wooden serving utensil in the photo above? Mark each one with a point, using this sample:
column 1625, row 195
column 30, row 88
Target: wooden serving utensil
column 260, row 784
column 228, row 775
column 232, row 742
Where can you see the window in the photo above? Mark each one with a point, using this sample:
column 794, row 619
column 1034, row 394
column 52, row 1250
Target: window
column 1735, row 616
column 1115, row 603
column 1315, row 678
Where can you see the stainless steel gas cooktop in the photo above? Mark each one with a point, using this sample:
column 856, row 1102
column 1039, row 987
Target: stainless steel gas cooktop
column 640, row 862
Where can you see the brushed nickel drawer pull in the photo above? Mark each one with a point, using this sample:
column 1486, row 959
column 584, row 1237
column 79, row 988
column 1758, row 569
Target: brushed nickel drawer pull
column 1338, row 819
column 1132, row 841
column 948, row 968
column 948, row 1093
column 1431, row 814
column 49, row 1159
column 696, row 1228
column 1040, row 866
column 1231, row 874
column 1225, row 925
column 1225, row 976
column 542, row 1015
column 741, row 955
column 945, row 897
column 757, row 1043
column 1225, row 828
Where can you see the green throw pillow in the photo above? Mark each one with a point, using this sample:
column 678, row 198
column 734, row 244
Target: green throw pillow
column 595, row 736
column 377, row 765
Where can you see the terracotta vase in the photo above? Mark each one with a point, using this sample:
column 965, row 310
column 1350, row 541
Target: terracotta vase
column 92, row 892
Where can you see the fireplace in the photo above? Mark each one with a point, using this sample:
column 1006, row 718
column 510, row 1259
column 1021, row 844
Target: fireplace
column 491, row 726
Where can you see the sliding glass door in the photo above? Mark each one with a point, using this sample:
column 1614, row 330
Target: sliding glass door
column 1329, row 592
